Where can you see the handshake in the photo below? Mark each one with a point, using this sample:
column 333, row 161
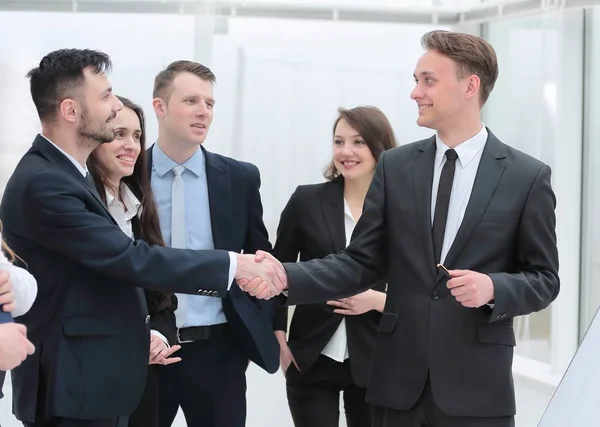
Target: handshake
column 260, row 275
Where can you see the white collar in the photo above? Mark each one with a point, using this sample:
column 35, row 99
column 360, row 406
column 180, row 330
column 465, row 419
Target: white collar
column 82, row 169
column 132, row 205
column 466, row 151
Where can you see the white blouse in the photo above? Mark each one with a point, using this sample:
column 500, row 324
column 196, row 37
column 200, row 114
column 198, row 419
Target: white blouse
column 337, row 347
column 23, row 283
column 124, row 212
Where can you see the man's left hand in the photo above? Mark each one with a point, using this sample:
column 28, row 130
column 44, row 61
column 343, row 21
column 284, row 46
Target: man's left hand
column 470, row 288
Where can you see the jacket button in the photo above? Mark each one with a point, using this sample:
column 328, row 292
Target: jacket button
column 205, row 293
column 435, row 295
column 215, row 294
column 147, row 319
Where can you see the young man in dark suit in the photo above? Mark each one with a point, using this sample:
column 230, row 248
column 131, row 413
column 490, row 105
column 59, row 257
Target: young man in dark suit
column 207, row 201
column 465, row 200
column 89, row 323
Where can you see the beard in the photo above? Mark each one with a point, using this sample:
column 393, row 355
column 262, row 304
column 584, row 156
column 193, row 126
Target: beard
column 97, row 133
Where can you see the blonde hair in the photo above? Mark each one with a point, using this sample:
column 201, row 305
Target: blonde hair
column 5, row 248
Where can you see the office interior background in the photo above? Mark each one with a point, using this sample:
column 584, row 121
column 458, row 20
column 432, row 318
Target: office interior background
column 284, row 67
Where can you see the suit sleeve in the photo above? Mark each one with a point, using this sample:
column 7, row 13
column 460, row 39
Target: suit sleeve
column 357, row 268
column 60, row 221
column 287, row 248
column 536, row 284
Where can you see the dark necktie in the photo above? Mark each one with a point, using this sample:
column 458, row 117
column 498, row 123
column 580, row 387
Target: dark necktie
column 442, row 203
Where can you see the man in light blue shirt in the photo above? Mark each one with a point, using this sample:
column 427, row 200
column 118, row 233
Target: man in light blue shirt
column 207, row 201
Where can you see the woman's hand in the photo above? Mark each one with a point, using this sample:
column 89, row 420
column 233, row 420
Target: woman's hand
column 286, row 358
column 160, row 353
column 359, row 304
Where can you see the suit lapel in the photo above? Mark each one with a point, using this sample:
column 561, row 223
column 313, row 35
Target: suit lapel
column 423, row 180
column 333, row 211
column 52, row 154
column 149, row 158
column 219, row 198
column 488, row 176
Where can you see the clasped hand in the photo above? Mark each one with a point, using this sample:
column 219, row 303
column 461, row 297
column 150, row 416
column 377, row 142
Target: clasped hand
column 470, row 288
column 260, row 275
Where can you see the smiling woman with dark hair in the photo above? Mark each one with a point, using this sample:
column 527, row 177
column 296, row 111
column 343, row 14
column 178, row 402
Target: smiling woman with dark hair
column 120, row 174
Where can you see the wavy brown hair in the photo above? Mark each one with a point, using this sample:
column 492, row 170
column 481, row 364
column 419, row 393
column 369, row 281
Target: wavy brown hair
column 146, row 226
column 372, row 125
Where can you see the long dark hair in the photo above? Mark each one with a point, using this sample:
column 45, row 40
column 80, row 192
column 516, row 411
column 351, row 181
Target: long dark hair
column 146, row 226
column 372, row 125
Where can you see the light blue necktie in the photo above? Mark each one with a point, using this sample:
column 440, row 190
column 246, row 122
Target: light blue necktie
column 178, row 233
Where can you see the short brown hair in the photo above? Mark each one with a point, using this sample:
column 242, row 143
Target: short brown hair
column 163, row 80
column 472, row 55
column 372, row 125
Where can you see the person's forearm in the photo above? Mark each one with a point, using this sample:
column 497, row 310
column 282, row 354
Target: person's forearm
column 281, row 337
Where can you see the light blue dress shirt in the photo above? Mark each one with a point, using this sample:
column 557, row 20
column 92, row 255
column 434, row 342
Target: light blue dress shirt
column 193, row 310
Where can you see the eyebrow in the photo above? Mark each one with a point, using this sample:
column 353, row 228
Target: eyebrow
column 353, row 136
column 212, row 100
column 126, row 128
column 423, row 73
column 107, row 91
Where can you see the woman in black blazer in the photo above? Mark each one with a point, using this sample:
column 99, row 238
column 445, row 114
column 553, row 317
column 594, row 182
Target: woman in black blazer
column 120, row 174
column 330, row 345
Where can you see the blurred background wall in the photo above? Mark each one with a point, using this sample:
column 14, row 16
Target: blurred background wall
column 283, row 72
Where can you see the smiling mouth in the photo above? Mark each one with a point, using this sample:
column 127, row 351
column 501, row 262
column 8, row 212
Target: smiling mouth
column 350, row 163
column 126, row 159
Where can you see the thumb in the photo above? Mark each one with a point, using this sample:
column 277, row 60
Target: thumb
column 30, row 347
column 459, row 273
column 259, row 256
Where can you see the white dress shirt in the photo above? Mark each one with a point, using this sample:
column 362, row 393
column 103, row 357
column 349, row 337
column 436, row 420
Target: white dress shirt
column 469, row 155
column 24, row 285
column 80, row 168
column 337, row 347
column 123, row 213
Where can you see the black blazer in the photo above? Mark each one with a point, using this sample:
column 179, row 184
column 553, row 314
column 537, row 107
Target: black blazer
column 89, row 322
column 162, row 319
column 237, row 225
column 312, row 225
column 508, row 232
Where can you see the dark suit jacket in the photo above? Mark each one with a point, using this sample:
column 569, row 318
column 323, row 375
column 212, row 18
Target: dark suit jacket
column 162, row 319
column 88, row 323
column 237, row 225
column 508, row 232
column 312, row 225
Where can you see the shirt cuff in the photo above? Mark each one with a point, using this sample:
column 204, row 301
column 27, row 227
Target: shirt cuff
column 232, row 268
column 161, row 336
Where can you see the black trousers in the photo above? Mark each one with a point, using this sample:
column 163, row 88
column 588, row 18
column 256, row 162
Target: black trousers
column 209, row 384
column 426, row 413
column 68, row 422
column 146, row 413
column 314, row 395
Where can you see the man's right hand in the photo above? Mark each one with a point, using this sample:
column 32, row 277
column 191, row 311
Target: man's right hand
column 14, row 345
column 261, row 275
